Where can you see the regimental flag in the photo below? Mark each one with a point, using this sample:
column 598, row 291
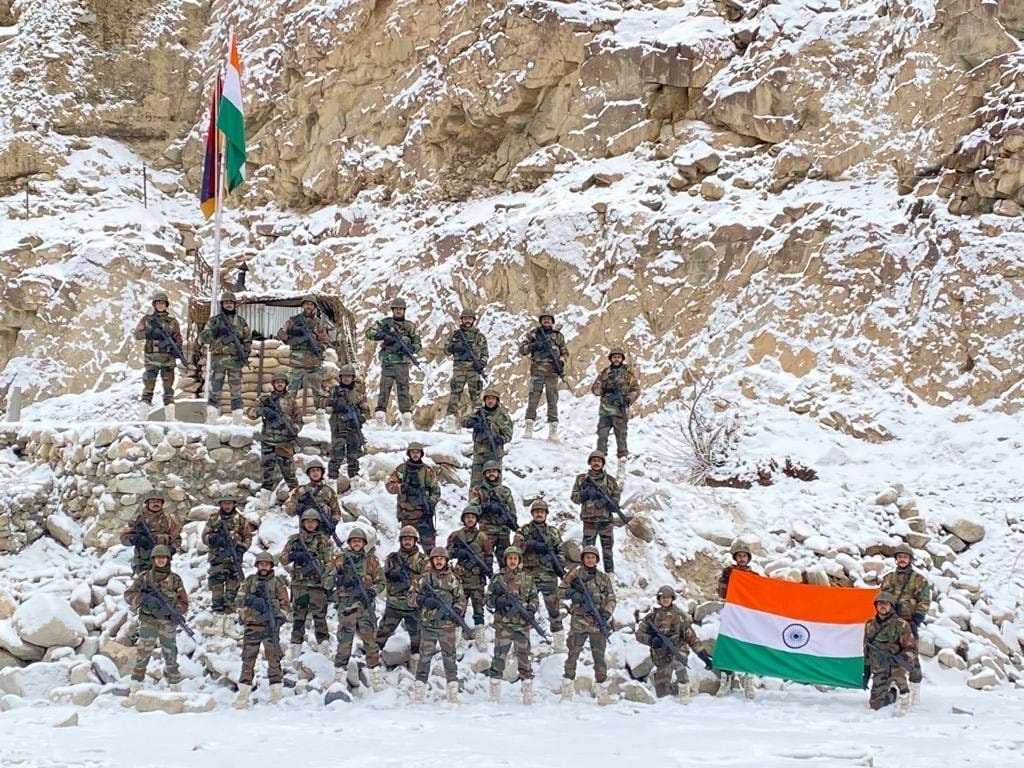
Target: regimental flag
column 211, row 164
column 800, row 632
column 231, row 121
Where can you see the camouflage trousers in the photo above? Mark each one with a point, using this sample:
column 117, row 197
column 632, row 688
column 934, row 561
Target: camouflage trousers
column 356, row 622
column 592, row 529
column 464, row 379
column 501, row 536
column 149, row 377
column 224, row 584
column 881, row 680
column 547, row 587
column 234, row 377
column 505, row 639
column 605, row 424
column 396, row 375
column 277, row 456
column 577, row 639
column 389, row 623
column 151, row 631
column 254, row 636
column 306, row 602
column 310, row 379
column 430, row 641
column 476, row 598
column 664, row 667
column 549, row 386
column 476, row 475
column 345, row 447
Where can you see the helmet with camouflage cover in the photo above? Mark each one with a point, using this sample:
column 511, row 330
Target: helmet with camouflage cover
column 278, row 377
column 310, row 514
column 513, row 550
column 264, row 557
column 467, row 312
column 902, row 549
column 470, row 509
column 886, row 597
column 347, row 370
column 439, row 552
column 155, row 494
column 159, row 296
column 596, row 455
column 161, row 550
column 492, row 465
column 315, row 463
column 590, row 549
column 492, row 392
column 617, row 351
column 409, row 530
column 397, row 303
column 308, row 299
column 546, row 313
column 228, row 296
column 538, row 504
column 666, row 590
column 227, row 496
column 357, row 533
column 414, row 446
column 739, row 545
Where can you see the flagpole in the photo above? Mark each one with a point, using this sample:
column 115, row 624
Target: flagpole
column 218, row 197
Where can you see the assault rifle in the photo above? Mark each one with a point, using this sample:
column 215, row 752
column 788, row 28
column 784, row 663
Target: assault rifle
column 478, row 364
column 550, row 552
column 446, row 608
column 494, row 504
column 580, row 594
column 310, row 565
column 349, row 578
column 167, row 609
column 325, row 520
column 589, row 481
column 272, row 413
column 481, row 427
column 618, row 398
column 405, row 571
column 259, row 601
column 463, row 552
column 232, row 337
column 518, row 609
column 340, row 404
column 305, row 335
column 413, row 487
column 898, row 659
column 392, row 337
column 142, row 535
column 165, row 340
column 549, row 349
column 652, row 629
column 223, row 541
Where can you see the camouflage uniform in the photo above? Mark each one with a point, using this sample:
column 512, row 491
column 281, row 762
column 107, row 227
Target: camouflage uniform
column 410, row 508
column 353, row 615
column 539, row 564
column 913, row 596
column 226, row 360
column 394, row 363
column 676, row 626
column 252, row 612
column 158, row 360
column 497, row 510
column 310, row 582
column 618, row 389
column 436, row 631
column 228, row 538
column 347, row 437
column 890, row 635
column 397, row 609
column 309, row 496
column 462, row 345
column 154, row 623
column 163, row 529
column 306, row 337
column 595, row 512
column 723, row 579
column 583, row 626
column 511, row 630
column 277, row 446
column 492, row 431
column 543, row 376
column 473, row 581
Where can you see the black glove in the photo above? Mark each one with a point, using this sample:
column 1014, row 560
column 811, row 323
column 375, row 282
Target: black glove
column 143, row 541
column 504, row 604
column 706, row 658
column 656, row 642
column 458, row 348
column 300, row 558
column 534, row 548
column 429, row 603
column 395, row 575
column 152, row 604
column 606, row 617
column 866, row 679
column 240, row 549
column 916, row 620
column 294, row 331
column 371, row 593
column 536, row 346
column 219, row 540
column 588, row 493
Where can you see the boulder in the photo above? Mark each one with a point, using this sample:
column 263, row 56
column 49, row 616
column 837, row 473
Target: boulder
column 105, row 669
column 63, row 529
column 47, row 620
column 949, row 658
column 982, row 626
column 983, row 679
column 159, row 701
column 969, row 531
column 7, row 605
column 631, row 690
column 36, row 680
column 14, row 645
column 68, row 722
column 887, row 497
column 122, row 656
column 81, row 695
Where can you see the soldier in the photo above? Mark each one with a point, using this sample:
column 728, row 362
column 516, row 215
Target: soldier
column 436, row 588
column 415, row 484
column 316, row 495
column 741, row 558
column 468, row 348
column 618, row 389
column 399, row 343
column 306, row 337
column 358, row 578
column 583, row 582
column 150, row 526
column 349, row 412
column 541, row 545
column 546, row 347
column 262, row 609
column 228, row 535
column 475, row 564
column 492, row 431
column 401, row 569
column 593, row 490
column 913, row 598
column 510, row 595
column 163, row 345
column 282, row 421
column 309, row 553
column 497, row 507
column 889, row 650
column 669, row 633
column 230, row 340
column 156, row 594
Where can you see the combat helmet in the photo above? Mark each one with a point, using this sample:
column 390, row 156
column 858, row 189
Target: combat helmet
column 314, row 463
column 538, row 504
column 513, row 550
column 886, row 597
column 154, row 494
column 903, row 549
column 227, row 496
column 590, row 549
column 308, row 299
column 264, row 557
column 228, row 296
column 310, row 514
column 492, row 392
column 597, row 455
column 278, row 377
column 357, row 533
column 414, row 446
column 739, row 545
column 161, row 550
column 397, row 303
column 439, row 552
column 347, row 370
column 409, row 530
column 470, row 509
column 616, row 351
column 467, row 312
column 159, row 296
column 491, row 464
column 665, row 589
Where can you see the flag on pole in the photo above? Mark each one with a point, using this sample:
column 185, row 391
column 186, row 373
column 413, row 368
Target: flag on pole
column 211, row 163
column 231, row 121
column 800, row 632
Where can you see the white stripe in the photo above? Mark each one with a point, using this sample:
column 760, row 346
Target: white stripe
column 233, row 87
column 807, row 637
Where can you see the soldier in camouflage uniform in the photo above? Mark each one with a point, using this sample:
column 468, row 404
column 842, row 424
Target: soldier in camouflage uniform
column 546, row 348
column 509, row 592
column 163, row 345
column 618, row 389
column 262, row 609
column 309, row 553
column 676, row 631
column 492, row 431
column 348, row 412
column 399, row 343
column 415, row 484
column 228, row 535
column 230, row 340
column 358, row 578
column 401, row 569
column 282, row 421
column 584, row 625
column 497, row 507
column 913, row 596
column 592, row 490
column 541, row 545
column 437, row 584
column 468, row 348
column 150, row 595
column 468, row 545
column 150, row 526
column 306, row 337
column 741, row 558
column 889, row 649
column 316, row 495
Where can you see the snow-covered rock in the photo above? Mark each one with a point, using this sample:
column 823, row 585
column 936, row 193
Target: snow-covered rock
column 46, row 620
column 36, row 680
column 11, row 642
column 968, row 531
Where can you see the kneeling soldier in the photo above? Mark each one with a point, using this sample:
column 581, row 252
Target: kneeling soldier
column 889, row 653
column 512, row 596
column 358, row 578
column 262, row 605
column 669, row 633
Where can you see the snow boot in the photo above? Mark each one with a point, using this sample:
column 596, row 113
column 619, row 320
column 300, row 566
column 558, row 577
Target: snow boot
column 292, row 656
column 419, row 692
column 377, row 680
column 449, row 424
column 528, row 429
column 144, row 409
column 242, row 699
column 683, row 693
column 341, row 674
column 620, row 471
column 324, row 648
column 264, row 503
column 276, row 692
column 236, row 417
column 169, row 412
column 407, row 422
column 494, row 695
column 527, row 692
column 133, row 688
column 748, row 686
column 212, row 414
column 915, row 693
column 558, row 642
column 379, row 419
column 553, row 431
column 724, row 685
column 321, row 419
column 601, row 694
column 452, row 689
column 567, row 689
column 478, row 638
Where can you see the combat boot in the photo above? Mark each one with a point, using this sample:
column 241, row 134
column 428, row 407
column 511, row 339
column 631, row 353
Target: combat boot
column 419, row 692
column 567, row 689
column 528, row 429
column 324, row 648
column 478, row 638
column 212, row 414
column 378, row 419
column 377, row 680
column 495, row 692
column 724, row 685
column 144, row 409
column 242, row 699
column 321, row 419
column 527, row 692
column 294, row 649
column 903, row 702
column 169, row 412
column 449, row 424
column 407, row 422
column 683, row 693
column 236, row 416
column 748, row 686
column 620, row 471
column 341, row 674
column 558, row 642
column 133, row 688
column 553, row 431
column 452, row 690
column 601, row 694
column 264, row 502
column 915, row 693
column 276, row 692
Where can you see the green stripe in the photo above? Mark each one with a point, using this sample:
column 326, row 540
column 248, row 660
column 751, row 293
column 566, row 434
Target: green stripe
column 232, row 123
column 735, row 655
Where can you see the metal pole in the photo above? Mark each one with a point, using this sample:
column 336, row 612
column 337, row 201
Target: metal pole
column 145, row 195
column 27, row 212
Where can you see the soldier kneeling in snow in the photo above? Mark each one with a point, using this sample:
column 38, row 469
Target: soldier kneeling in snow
column 889, row 652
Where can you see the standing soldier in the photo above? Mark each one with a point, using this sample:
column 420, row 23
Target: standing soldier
column 150, row 527
column 492, row 430
column 592, row 601
column 415, row 484
column 358, row 578
column 669, row 633
column 399, row 343
column 512, row 596
column 541, row 545
column 318, row 496
column 468, row 348
column 156, row 595
column 282, row 421
column 913, row 596
column 438, row 588
column 401, row 569
column 306, row 337
column 349, row 412
column 228, row 535
column 889, row 651
column 596, row 492
column 262, row 609
column 475, row 555
column 163, row 346
column 546, row 347
column 230, row 340
column 618, row 389
column 497, row 507
column 741, row 559
column 309, row 553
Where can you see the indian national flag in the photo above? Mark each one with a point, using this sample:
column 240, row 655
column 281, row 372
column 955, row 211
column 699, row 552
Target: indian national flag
column 231, row 121
column 800, row 632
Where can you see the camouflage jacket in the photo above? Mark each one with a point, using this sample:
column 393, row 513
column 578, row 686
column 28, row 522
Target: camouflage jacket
column 463, row 345
column 410, row 500
column 239, row 530
column 338, row 403
column 490, row 497
column 157, row 351
column 536, row 558
column 303, row 498
column 348, row 568
column 912, row 591
column 674, row 625
column 306, row 338
column 617, row 388
column 163, row 529
column 599, row 586
column 274, row 588
column 476, row 540
column 401, row 569
column 541, row 363
column 217, row 333
column 723, row 579
column 518, row 583
column 317, row 572
column 164, row 581
column 390, row 351
column 448, row 588
column 884, row 639
column 595, row 509
column 273, row 431
column 489, row 425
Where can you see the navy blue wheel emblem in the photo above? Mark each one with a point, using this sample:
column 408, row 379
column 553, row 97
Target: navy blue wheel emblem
column 796, row 636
